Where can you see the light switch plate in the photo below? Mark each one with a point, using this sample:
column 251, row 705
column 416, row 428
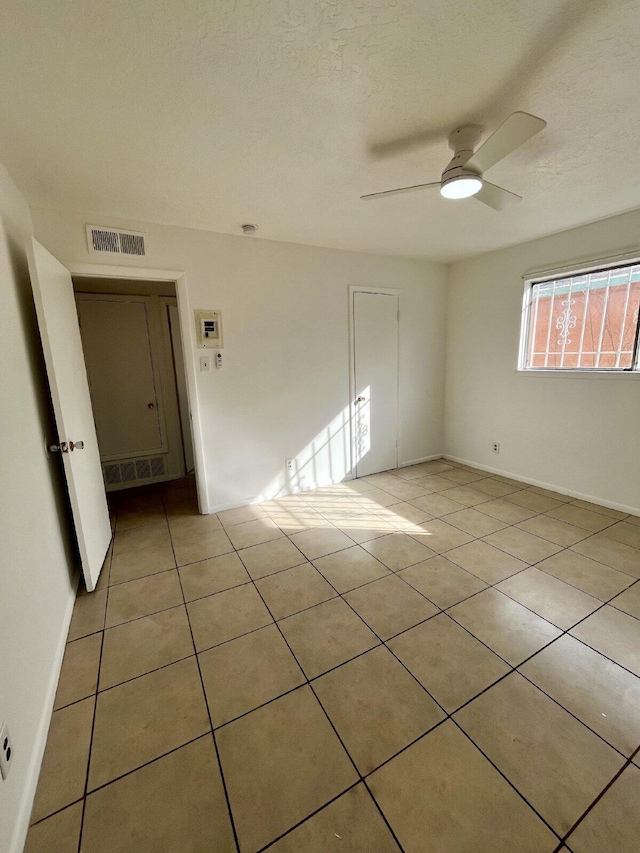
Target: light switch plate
column 205, row 362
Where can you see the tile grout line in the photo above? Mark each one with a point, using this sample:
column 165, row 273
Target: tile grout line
column 434, row 518
column 206, row 703
column 495, row 586
column 152, row 760
column 309, row 816
column 397, row 573
column 448, row 716
column 308, row 682
column 628, row 763
column 515, row 669
column 628, row 760
column 561, row 548
column 124, row 775
column 442, row 610
column 95, row 701
column 512, row 669
column 569, row 501
column 333, row 524
column 310, row 685
column 79, row 800
column 506, row 778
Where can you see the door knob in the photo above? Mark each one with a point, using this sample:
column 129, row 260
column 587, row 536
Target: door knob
column 76, row 445
column 360, row 400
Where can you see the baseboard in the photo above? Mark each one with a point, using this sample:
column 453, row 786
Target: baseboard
column 553, row 487
column 422, row 459
column 296, row 490
column 22, row 823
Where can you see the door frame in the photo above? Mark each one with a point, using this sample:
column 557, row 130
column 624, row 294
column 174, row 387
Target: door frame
column 176, row 354
column 376, row 291
column 179, row 279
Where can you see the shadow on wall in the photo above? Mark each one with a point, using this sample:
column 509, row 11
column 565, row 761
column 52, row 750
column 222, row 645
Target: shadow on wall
column 328, row 458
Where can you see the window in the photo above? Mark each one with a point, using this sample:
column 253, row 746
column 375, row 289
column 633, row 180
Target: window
column 583, row 321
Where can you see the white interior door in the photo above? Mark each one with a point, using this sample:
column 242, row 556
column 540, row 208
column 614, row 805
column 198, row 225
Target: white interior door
column 117, row 350
column 60, row 333
column 375, row 335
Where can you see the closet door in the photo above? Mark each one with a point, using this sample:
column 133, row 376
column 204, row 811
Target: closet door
column 375, row 334
column 117, row 346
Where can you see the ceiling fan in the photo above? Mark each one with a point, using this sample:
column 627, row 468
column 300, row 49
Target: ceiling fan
column 464, row 176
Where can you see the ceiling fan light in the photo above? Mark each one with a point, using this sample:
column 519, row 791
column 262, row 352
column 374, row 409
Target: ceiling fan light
column 462, row 186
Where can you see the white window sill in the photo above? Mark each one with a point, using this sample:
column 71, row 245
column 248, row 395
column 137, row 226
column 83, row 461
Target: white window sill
column 580, row 374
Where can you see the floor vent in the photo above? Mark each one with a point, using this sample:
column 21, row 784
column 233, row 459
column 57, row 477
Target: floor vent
column 143, row 469
column 110, row 241
column 133, row 470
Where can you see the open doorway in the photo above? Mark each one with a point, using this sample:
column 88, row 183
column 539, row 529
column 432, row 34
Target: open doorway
column 133, row 353
column 76, row 438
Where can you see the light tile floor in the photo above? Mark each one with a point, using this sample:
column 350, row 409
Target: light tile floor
column 427, row 659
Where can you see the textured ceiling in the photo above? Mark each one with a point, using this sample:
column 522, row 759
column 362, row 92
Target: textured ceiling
column 211, row 113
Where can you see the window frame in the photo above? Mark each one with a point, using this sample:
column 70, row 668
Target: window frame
column 533, row 279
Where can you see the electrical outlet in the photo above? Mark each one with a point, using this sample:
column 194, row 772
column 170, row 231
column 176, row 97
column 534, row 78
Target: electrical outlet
column 288, row 464
column 6, row 751
column 496, row 447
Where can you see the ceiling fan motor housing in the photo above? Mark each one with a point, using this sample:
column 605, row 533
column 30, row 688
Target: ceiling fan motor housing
column 463, row 143
column 465, row 138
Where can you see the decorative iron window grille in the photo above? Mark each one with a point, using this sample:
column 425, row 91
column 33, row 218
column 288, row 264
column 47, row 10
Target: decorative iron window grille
column 583, row 321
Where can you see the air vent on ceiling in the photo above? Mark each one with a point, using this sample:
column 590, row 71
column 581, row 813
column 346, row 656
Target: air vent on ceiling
column 113, row 242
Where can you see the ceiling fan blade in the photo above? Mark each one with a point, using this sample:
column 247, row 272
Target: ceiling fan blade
column 512, row 133
column 496, row 197
column 398, row 191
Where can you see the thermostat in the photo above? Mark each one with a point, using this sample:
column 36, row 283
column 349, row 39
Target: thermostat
column 209, row 328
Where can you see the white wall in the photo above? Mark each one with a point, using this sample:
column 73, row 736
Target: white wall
column 37, row 582
column 284, row 386
column 579, row 435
